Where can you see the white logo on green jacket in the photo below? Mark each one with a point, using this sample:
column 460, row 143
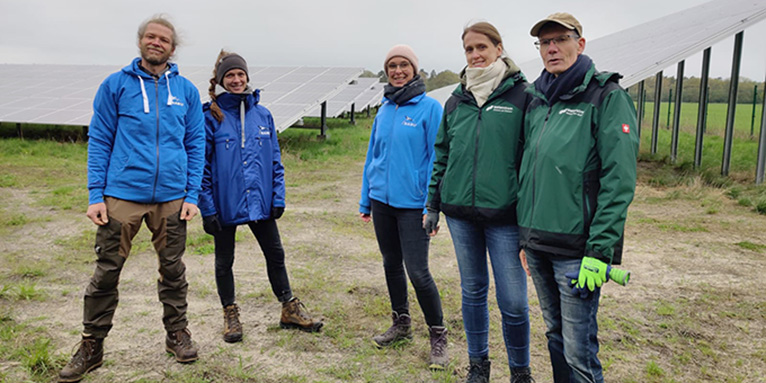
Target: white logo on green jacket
column 500, row 109
column 572, row 112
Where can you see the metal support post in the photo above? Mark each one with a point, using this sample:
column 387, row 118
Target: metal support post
column 733, row 84
column 677, row 112
column 656, row 115
column 752, row 116
column 761, row 160
column 323, row 122
column 702, row 108
column 19, row 131
column 353, row 120
column 670, row 102
column 640, row 111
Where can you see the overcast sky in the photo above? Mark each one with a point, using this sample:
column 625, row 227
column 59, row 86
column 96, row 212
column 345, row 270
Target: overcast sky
column 324, row 32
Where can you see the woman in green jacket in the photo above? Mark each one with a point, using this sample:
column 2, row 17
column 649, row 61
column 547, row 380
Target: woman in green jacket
column 474, row 182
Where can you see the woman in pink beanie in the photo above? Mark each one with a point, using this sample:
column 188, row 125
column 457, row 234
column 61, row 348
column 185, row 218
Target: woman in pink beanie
column 394, row 189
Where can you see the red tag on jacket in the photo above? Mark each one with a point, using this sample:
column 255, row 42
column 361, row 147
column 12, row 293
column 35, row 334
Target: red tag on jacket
column 625, row 128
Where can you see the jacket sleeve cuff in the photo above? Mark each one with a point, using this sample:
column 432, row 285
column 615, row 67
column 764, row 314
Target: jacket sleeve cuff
column 364, row 209
column 599, row 256
column 96, row 195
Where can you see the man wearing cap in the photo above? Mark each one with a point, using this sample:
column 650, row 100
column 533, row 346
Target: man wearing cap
column 146, row 151
column 578, row 175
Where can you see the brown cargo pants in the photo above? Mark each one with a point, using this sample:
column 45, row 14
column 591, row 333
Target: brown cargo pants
column 113, row 243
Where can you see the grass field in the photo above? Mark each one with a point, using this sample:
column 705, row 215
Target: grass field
column 694, row 311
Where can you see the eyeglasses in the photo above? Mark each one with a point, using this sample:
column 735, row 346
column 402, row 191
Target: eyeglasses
column 402, row 65
column 543, row 43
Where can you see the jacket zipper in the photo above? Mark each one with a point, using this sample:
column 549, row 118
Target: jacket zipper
column 534, row 170
column 157, row 137
column 388, row 170
column 475, row 159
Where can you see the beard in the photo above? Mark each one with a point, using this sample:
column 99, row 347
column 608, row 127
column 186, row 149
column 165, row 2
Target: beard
column 153, row 57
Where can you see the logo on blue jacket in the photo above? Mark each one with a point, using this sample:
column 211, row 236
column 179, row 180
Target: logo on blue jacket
column 264, row 130
column 175, row 101
column 408, row 121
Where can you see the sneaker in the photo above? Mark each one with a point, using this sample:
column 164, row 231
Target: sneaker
column 232, row 329
column 179, row 343
column 439, row 358
column 400, row 329
column 88, row 357
column 522, row 375
column 478, row 372
column 295, row 315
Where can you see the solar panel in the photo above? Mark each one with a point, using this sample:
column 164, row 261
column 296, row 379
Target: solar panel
column 63, row 94
column 442, row 94
column 646, row 49
column 352, row 94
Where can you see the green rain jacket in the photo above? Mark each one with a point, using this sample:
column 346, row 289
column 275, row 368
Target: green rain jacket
column 578, row 171
column 477, row 153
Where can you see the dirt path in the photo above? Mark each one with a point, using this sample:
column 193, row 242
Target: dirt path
column 694, row 311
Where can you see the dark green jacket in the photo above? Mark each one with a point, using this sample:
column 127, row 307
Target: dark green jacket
column 477, row 154
column 578, row 171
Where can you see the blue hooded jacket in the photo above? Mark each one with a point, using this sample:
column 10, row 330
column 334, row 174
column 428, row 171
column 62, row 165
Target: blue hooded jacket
column 401, row 153
column 146, row 138
column 244, row 177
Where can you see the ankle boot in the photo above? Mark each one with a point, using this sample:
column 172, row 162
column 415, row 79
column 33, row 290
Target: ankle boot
column 521, row 375
column 400, row 329
column 88, row 357
column 439, row 358
column 179, row 343
column 232, row 329
column 478, row 371
column 295, row 315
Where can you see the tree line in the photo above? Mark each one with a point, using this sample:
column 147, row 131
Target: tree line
column 718, row 90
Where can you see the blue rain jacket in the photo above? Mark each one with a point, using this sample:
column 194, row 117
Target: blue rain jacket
column 244, row 177
column 401, row 154
column 146, row 138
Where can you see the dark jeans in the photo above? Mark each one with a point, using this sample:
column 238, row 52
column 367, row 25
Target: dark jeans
column 404, row 243
column 571, row 321
column 267, row 234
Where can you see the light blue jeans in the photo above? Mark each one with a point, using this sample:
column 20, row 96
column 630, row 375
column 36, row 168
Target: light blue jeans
column 571, row 321
column 472, row 241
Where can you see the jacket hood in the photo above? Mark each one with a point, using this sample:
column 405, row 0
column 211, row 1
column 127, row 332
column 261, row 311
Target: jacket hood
column 135, row 70
column 227, row 100
column 601, row 77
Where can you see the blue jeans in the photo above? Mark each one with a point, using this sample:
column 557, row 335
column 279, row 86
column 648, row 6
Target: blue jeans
column 472, row 240
column 571, row 320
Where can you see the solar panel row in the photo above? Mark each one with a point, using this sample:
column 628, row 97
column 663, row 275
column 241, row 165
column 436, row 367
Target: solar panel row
column 63, row 94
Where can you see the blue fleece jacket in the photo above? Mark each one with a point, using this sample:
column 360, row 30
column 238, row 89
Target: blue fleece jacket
column 401, row 154
column 244, row 177
column 146, row 138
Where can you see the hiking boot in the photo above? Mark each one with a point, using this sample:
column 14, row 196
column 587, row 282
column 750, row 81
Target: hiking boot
column 522, row 375
column 478, row 371
column 179, row 343
column 400, row 329
column 439, row 358
column 232, row 329
column 88, row 357
column 295, row 315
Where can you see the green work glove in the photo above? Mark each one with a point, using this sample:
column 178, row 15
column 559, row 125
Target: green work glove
column 592, row 273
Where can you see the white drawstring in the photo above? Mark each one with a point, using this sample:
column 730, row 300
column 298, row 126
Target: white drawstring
column 143, row 93
column 170, row 95
column 242, row 119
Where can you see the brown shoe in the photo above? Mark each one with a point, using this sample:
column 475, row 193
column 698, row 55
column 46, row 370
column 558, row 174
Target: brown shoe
column 438, row 358
column 232, row 329
column 179, row 343
column 400, row 329
column 295, row 315
column 88, row 357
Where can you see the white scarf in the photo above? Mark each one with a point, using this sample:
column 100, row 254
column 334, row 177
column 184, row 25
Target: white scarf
column 481, row 82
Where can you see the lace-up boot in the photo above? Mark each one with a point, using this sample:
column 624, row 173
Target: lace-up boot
column 295, row 315
column 232, row 329
column 438, row 357
column 522, row 375
column 478, row 371
column 179, row 343
column 400, row 329
column 88, row 357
